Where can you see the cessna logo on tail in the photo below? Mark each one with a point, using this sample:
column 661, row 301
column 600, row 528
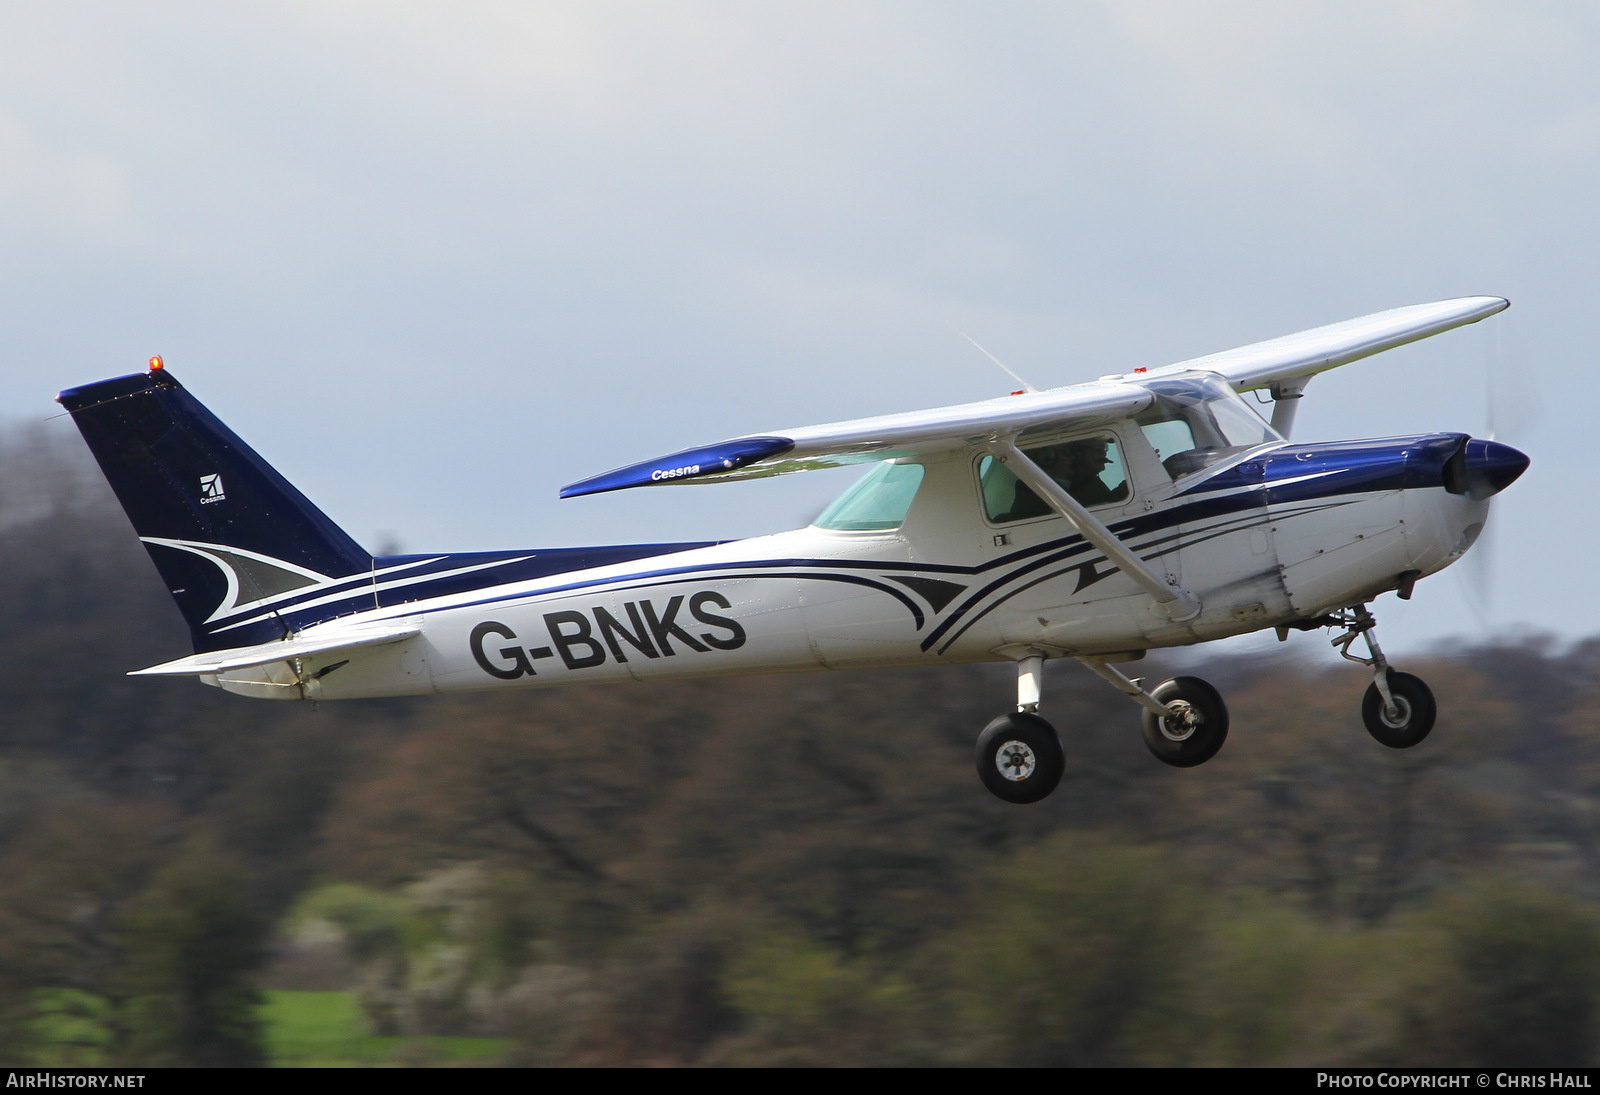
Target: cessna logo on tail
column 211, row 489
column 584, row 639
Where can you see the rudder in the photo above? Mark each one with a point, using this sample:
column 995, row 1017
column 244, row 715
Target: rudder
column 234, row 540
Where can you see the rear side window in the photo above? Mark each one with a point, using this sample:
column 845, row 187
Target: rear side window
column 1090, row 469
column 878, row 500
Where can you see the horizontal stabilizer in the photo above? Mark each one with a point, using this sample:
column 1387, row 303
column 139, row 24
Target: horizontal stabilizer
column 321, row 641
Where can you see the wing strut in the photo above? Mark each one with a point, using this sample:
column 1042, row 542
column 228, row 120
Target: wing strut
column 1173, row 602
column 1286, row 401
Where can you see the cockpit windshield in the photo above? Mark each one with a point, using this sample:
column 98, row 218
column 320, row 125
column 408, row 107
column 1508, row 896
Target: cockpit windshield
column 1197, row 421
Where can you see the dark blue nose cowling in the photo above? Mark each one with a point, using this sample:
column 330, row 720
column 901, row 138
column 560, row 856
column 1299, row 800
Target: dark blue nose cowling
column 1482, row 468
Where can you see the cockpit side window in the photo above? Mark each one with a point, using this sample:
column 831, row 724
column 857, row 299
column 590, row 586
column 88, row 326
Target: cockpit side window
column 1194, row 423
column 1089, row 469
column 878, row 501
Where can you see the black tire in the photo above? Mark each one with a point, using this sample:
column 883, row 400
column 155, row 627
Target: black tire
column 1019, row 758
column 1196, row 737
column 1417, row 711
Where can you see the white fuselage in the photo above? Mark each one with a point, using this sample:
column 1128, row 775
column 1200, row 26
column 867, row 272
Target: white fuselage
column 948, row 585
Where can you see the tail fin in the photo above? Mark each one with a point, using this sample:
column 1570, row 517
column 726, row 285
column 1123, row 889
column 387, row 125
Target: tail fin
column 237, row 545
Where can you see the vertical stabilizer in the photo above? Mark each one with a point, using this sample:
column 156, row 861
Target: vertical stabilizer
column 235, row 542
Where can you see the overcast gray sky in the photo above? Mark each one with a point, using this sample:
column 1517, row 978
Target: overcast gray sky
column 434, row 261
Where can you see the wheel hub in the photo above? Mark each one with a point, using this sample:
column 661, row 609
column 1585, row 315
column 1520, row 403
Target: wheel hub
column 1398, row 717
column 1015, row 760
column 1180, row 726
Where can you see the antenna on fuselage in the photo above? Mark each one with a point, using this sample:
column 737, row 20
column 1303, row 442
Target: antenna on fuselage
column 1026, row 387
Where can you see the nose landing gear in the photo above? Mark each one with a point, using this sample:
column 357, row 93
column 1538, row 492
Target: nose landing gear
column 1410, row 717
column 1398, row 709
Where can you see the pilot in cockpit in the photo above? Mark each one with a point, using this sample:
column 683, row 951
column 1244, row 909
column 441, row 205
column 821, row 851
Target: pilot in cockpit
column 1076, row 465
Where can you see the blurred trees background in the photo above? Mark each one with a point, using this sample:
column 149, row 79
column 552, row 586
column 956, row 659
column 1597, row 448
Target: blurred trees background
column 779, row 870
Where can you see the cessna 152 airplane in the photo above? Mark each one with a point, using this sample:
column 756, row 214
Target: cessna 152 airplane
column 1094, row 522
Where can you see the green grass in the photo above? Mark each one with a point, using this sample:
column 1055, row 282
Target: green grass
column 328, row 1029
column 69, row 1028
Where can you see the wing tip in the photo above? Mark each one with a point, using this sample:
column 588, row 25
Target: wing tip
column 718, row 459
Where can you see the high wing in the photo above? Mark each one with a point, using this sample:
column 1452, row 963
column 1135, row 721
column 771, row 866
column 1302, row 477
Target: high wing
column 1258, row 365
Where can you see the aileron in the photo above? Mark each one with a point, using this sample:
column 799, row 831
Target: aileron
column 1307, row 353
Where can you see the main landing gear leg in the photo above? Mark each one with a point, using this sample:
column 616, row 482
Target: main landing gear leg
column 1185, row 720
column 1019, row 756
column 1030, row 683
column 1398, row 709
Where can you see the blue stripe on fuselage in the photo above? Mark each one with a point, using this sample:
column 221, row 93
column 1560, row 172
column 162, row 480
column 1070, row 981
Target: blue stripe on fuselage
column 1286, row 475
column 1343, row 467
column 514, row 566
column 410, row 575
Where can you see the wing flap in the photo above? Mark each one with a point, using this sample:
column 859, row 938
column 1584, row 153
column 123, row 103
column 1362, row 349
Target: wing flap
column 245, row 657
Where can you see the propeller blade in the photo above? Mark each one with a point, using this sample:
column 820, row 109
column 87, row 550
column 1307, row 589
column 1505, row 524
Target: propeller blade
column 1513, row 404
column 1477, row 576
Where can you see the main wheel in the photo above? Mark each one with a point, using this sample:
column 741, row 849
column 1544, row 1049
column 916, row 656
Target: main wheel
column 1413, row 716
column 1019, row 757
column 1196, row 732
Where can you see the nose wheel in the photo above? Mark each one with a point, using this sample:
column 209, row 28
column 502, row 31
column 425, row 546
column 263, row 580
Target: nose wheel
column 1408, row 715
column 1398, row 708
